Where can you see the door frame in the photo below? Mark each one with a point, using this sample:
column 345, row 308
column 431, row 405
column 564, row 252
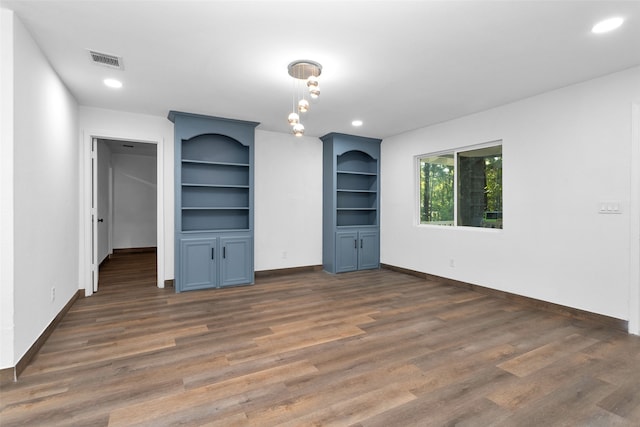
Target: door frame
column 86, row 191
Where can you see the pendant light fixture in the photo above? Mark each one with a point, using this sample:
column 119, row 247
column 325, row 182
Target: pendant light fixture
column 305, row 85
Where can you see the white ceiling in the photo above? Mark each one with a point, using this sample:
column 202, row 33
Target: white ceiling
column 396, row 65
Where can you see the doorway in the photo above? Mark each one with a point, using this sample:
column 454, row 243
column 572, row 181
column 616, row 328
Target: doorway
column 125, row 203
column 108, row 230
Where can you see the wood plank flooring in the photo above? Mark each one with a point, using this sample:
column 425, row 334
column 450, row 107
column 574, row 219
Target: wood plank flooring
column 373, row 348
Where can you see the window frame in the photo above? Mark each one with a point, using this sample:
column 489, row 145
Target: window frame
column 453, row 151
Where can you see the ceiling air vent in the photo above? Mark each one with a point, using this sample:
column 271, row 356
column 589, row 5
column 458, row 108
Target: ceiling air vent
column 105, row 59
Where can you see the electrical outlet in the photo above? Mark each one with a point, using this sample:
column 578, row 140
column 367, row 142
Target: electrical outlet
column 452, row 263
column 53, row 293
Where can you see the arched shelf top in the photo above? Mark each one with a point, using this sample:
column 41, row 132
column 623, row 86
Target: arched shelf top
column 356, row 154
column 213, row 137
column 341, row 143
column 356, row 161
column 215, row 147
column 189, row 125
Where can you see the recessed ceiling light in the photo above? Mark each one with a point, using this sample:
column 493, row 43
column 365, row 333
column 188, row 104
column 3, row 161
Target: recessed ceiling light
column 607, row 25
column 356, row 123
column 113, row 83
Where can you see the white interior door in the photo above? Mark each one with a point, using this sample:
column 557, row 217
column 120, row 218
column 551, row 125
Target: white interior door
column 94, row 214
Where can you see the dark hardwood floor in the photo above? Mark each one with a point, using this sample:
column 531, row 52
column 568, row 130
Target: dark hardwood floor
column 373, row 348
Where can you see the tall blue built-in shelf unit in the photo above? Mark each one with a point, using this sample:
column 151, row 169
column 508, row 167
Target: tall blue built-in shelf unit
column 214, row 160
column 351, row 203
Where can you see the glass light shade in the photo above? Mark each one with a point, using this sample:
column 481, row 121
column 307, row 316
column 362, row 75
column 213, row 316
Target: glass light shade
column 312, row 81
column 298, row 129
column 314, row 92
column 303, row 105
column 293, row 118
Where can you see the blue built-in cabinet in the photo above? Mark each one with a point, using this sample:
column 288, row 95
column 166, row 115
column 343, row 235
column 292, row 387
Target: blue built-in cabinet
column 351, row 203
column 213, row 201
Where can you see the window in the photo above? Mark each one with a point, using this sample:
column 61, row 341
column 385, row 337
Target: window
column 462, row 187
column 436, row 189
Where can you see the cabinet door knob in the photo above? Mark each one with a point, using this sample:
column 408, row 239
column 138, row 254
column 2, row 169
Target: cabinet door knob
column 355, row 244
column 100, row 219
column 224, row 252
column 360, row 243
column 213, row 252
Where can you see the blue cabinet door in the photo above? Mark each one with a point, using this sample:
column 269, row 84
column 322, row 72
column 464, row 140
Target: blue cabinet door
column 346, row 251
column 368, row 250
column 236, row 262
column 198, row 267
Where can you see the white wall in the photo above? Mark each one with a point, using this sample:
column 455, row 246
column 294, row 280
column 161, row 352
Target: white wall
column 6, row 189
column 563, row 152
column 288, row 187
column 634, row 235
column 134, row 201
column 45, row 214
column 288, row 201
